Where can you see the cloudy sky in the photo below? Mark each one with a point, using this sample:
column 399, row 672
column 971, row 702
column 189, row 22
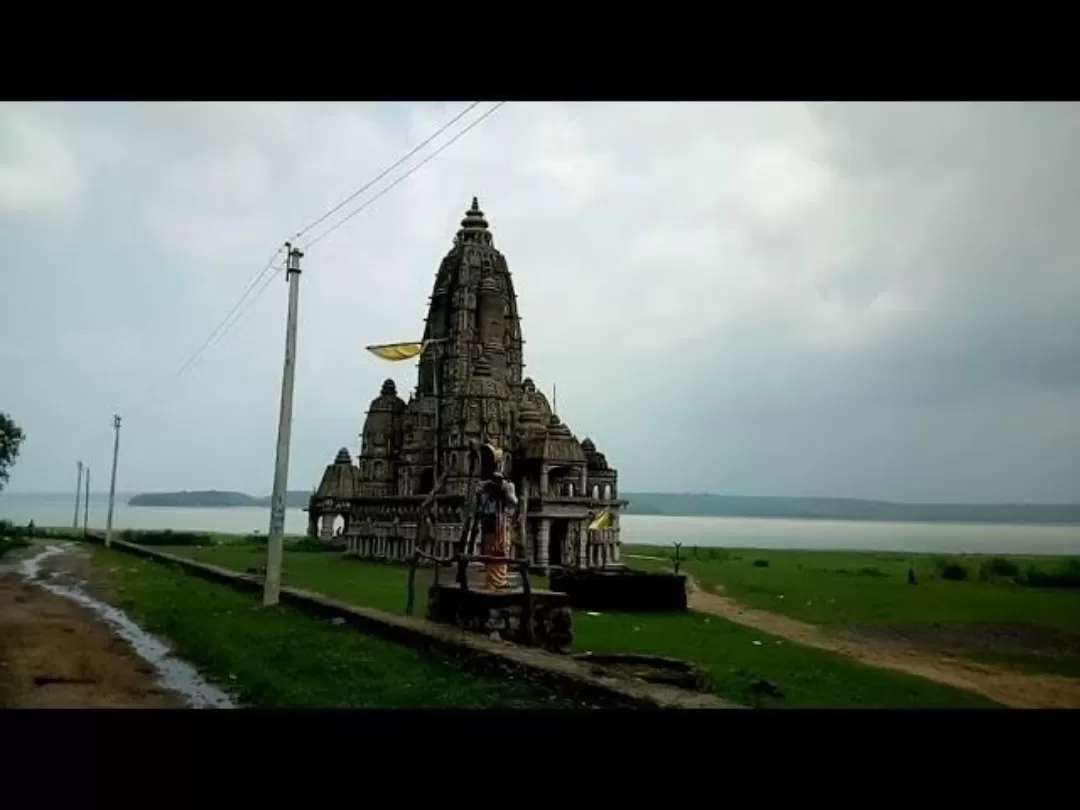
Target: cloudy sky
column 868, row 300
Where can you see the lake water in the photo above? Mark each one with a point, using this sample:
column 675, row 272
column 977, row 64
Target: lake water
column 46, row 510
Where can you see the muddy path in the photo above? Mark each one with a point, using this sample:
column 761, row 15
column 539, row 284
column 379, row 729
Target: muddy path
column 62, row 645
column 1013, row 689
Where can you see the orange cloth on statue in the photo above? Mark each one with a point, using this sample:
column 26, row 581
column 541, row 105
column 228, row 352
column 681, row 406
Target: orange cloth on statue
column 495, row 544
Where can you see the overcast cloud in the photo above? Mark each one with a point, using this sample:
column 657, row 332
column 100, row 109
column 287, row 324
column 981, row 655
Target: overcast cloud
column 869, row 300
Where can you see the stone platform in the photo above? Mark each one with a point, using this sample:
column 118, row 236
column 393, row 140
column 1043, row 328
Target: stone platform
column 501, row 613
column 620, row 589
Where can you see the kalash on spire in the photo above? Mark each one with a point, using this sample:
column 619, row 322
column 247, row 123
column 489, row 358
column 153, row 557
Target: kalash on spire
column 469, row 391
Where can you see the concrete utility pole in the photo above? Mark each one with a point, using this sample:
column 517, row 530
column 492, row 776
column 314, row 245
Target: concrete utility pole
column 275, row 540
column 86, row 504
column 112, row 483
column 78, row 495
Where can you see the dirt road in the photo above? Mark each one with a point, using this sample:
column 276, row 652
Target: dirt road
column 1014, row 689
column 56, row 653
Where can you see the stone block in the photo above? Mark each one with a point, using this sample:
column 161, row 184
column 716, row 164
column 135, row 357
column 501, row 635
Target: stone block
column 621, row 589
column 502, row 612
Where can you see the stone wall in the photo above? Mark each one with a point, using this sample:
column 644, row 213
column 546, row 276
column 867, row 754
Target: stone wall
column 623, row 589
column 501, row 613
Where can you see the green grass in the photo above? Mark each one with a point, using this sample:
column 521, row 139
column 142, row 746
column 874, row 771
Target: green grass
column 806, row 677
column 279, row 657
column 864, row 590
column 9, row 544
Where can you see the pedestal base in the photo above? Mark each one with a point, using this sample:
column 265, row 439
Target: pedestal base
column 621, row 589
column 501, row 613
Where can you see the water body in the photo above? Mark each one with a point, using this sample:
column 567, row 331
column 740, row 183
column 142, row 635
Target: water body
column 716, row 532
column 174, row 674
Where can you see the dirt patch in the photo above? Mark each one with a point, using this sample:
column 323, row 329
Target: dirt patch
column 57, row 654
column 54, row 654
column 1013, row 689
column 1005, row 637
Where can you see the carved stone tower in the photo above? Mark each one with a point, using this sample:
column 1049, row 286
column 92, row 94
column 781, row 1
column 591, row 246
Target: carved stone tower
column 472, row 368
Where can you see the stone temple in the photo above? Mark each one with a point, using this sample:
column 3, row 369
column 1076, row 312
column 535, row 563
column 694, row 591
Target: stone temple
column 469, row 388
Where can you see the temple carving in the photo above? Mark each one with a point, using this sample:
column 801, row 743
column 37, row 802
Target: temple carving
column 469, row 390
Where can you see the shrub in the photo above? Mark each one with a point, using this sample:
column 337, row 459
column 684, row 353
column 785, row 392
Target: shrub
column 167, row 537
column 998, row 568
column 761, row 563
column 1067, row 577
column 872, row 572
column 954, row 572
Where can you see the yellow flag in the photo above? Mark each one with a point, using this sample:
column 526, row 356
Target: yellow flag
column 601, row 522
column 396, row 351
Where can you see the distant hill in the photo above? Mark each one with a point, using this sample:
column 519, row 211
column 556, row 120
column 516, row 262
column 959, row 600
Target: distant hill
column 709, row 505
column 214, row 499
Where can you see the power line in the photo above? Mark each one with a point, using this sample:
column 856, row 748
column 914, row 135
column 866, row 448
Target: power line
column 226, row 324
column 415, row 168
column 386, row 171
column 244, row 302
column 218, row 333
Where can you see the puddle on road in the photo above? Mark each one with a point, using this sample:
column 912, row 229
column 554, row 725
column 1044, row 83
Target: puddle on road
column 174, row 674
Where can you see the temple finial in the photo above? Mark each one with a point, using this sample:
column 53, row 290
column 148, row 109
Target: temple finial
column 475, row 204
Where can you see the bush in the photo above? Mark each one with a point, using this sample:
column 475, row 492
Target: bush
column 761, row 563
column 167, row 537
column 872, row 572
column 998, row 568
column 954, row 572
column 1067, row 577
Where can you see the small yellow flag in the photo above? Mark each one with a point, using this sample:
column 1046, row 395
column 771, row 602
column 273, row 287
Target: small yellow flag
column 601, row 522
column 396, row 351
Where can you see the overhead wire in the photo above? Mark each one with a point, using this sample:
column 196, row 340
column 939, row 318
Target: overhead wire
column 219, row 331
column 246, row 300
column 386, row 171
column 403, row 177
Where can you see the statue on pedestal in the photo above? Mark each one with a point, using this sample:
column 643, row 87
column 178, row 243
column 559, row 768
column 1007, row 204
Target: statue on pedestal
column 496, row 507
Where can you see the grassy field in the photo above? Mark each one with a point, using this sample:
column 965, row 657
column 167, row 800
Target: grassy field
column 993, row 609
column 282, row 658
column 770, row 673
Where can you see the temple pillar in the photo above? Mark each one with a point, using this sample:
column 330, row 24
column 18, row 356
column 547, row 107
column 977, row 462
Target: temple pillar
column 543, row 537
column 583, row 486
column 543, row 481
column 313, row 525
column 326, row 528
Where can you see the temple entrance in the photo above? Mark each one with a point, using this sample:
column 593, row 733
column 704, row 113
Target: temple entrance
column 427, row 480
column 560, row 529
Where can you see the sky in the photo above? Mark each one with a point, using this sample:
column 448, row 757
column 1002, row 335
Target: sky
column 876, row 300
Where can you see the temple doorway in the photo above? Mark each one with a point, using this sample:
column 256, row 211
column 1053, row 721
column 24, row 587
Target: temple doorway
column 427, row 480
column 557, row 541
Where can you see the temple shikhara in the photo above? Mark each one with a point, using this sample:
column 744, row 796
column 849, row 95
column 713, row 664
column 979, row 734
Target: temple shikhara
column 469, row 389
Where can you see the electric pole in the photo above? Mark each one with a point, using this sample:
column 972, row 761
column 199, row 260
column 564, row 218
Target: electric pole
column 86, row 504
column 275, row 540
column 112, row 483
column 78, row 494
